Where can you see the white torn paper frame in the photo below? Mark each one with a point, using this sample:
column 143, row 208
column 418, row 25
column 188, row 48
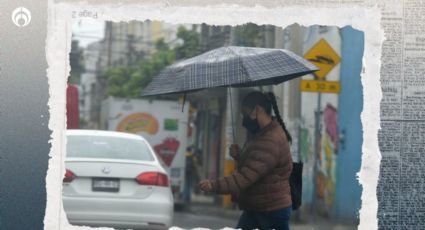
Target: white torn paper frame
column 365, row 19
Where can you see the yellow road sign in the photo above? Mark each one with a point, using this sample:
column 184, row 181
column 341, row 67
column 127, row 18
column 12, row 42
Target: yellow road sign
column 324, row 57
column 320, row 86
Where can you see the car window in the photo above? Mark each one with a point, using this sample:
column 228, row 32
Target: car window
column 86, row 146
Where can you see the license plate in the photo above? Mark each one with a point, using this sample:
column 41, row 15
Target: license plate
column 105, row 185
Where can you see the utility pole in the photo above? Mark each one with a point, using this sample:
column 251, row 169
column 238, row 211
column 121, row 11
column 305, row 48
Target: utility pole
column 130, row 49
column 294, row 114
column 109, row 29
column 294, row 102
column 317, row 131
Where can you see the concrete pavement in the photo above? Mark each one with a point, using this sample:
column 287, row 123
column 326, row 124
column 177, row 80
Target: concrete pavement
column 210, row 216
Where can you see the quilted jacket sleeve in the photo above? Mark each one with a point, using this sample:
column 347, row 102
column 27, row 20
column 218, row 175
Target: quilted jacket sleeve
column 261, row 159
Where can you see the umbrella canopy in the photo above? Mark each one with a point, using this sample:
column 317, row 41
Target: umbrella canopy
column 230, row 66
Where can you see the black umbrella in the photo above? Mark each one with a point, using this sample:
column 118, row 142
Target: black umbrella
column 230, row 66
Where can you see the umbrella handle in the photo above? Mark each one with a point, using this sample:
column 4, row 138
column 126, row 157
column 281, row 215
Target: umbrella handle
column 231, row 114
column 184, row 101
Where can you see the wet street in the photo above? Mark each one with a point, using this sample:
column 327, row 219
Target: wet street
column 193, row 220
column 187, row 220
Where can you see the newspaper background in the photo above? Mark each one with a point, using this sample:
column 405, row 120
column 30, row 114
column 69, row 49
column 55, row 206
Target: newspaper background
column 401, row 203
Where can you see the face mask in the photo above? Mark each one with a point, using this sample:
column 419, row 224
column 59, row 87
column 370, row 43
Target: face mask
column 250, row 124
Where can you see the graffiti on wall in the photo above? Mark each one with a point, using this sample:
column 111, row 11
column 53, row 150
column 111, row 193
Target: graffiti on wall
column 326, row 177
column 167, row 150
column 139, row 122
column 330, row 118
column 305, row 145
column 306, row 156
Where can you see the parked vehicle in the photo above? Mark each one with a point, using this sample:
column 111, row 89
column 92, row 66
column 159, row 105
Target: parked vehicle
column 115, row 180
column 162, row 123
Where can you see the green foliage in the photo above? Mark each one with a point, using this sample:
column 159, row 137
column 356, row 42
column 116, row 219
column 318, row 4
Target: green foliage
column 129, row 82
column 118, row 79
column 248, row 34
column 161, row 45
column 190, row 46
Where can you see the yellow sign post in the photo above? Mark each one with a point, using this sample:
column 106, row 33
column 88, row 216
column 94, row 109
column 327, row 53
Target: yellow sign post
column 320, row 86
column 324, row 57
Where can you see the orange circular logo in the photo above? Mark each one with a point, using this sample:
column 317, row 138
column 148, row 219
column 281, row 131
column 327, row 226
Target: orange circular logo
column 139, row 122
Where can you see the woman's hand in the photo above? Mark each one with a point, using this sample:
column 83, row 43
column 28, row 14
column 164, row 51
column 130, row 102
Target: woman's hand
column 205, row 185
column 234, row 150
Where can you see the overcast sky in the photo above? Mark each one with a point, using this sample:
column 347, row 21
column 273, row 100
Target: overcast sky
column 87, row 31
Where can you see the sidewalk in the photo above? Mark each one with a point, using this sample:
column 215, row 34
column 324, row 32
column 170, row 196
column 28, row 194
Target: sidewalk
column 206, row 206
column 213, row 210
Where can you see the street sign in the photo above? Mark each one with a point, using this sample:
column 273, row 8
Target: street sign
column 324, row 57
column 320, row 86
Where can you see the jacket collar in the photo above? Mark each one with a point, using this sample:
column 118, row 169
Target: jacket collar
column 268, row 127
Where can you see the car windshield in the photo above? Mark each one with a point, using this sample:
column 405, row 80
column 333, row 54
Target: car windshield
column 86, row 146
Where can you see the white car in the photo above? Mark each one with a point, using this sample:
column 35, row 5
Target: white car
column 115, row 180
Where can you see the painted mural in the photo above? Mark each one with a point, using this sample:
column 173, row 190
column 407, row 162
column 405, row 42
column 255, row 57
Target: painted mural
column 326, row 175
column 167, row 150
column 306, row 145
column 306, row 156
column 139, row 122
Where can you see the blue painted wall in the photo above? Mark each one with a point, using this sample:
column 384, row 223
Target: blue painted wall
column 348, row 190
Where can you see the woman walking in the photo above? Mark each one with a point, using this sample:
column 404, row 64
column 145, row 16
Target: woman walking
column 260, row 183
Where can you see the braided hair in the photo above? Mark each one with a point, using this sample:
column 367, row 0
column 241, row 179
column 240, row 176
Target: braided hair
column 273, row 101
column 266, row 101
